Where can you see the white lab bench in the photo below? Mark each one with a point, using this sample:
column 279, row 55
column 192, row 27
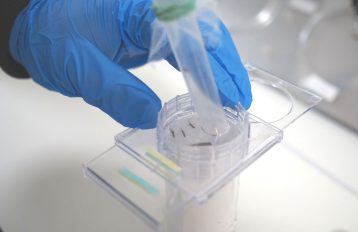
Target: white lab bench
column 308, row 183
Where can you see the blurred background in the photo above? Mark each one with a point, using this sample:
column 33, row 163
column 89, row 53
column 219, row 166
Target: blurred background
column 312, row 43
column 309, row 182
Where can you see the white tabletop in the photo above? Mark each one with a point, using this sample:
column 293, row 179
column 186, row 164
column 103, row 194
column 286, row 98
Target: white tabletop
column 309, row 183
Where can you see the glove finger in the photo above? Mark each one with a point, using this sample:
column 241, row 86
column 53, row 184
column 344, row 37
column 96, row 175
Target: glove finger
column 230, row 75
column 111, row 88
column 226, row 63
column 228, row 90
column 172, row 61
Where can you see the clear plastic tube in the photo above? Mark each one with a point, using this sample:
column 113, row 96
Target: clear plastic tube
column 190, row 53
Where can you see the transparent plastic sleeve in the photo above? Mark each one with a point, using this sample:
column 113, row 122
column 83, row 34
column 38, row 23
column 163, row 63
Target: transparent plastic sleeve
column 186, row 43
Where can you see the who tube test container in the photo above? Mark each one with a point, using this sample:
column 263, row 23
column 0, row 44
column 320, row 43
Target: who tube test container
column 158, row 175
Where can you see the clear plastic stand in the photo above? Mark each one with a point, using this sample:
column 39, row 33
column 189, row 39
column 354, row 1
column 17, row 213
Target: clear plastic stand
column 192, row 187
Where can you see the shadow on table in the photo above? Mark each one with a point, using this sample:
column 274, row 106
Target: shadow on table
column 59, row 198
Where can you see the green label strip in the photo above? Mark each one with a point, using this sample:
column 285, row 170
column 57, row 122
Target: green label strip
column 140, row 182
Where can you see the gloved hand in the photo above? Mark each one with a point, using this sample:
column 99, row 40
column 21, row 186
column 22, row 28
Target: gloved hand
column 83, row 48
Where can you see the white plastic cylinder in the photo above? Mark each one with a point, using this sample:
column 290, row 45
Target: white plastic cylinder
column 201, row 162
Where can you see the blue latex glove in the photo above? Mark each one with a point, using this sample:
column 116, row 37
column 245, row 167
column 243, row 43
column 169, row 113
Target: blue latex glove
column 83, row 48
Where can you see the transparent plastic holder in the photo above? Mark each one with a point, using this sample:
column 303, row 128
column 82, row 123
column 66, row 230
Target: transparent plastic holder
column 171, row 189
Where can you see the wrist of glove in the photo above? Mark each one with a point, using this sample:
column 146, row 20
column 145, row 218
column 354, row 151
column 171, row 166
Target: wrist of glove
column 8, row 12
